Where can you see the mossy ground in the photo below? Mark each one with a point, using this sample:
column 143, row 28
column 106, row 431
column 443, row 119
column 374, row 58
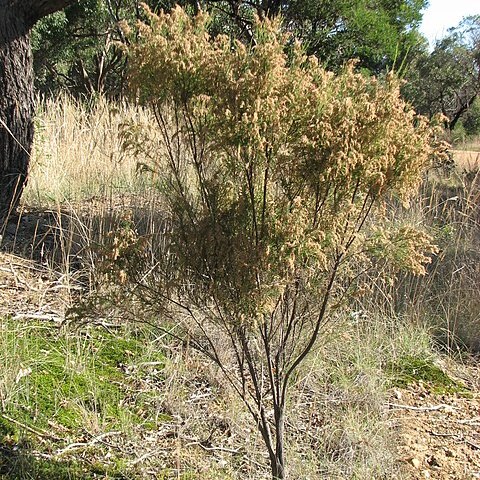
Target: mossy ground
column 410, row 370
column 69, row 386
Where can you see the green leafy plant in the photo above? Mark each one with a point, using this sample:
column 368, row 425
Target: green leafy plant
column 271, row 170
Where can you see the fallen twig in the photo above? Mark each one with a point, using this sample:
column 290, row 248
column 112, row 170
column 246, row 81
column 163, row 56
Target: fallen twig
column 470, row 421
column 37, row 316
column 421, row 409
column 147, row 455
column 35, row 431
column 80, row 445
column 437, row 434
column 210, row 449
column 474, row 445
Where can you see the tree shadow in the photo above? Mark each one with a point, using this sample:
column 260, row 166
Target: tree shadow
column 59, row 236
column 35, row 234
column 19, row 460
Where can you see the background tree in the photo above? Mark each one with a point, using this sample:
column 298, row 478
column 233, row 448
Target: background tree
column 447, row 80
column 16, row 93
column 376, row 32
column 76, row 49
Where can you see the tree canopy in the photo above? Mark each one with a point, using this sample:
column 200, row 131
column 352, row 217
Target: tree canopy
column 447, row 80
column 76, row 49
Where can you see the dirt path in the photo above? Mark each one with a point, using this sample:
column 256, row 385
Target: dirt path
column 439, row 435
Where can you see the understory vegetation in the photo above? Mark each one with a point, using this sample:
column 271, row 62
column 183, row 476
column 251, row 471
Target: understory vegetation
column 162, row 407
column 227, row 277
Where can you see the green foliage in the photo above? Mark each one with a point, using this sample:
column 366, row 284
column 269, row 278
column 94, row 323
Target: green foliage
column 471, row 119
column 66, row 381
column 459, row 134
column 376, row 32
column 76, row 49
column 446, row 81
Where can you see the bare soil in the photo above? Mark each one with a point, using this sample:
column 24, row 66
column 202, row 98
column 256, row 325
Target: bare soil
column 439, row 435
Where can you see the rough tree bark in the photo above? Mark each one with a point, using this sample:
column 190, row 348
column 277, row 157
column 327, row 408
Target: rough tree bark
column 17, row 17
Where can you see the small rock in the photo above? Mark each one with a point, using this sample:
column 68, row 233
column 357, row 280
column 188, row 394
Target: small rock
column 433, row 461
column 415, row 462
column 426, row 474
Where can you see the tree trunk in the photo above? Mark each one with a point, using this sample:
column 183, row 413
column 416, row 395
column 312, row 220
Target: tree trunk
column 16, row 94
column 278, row 468
column 461, row 110
column 16, row 107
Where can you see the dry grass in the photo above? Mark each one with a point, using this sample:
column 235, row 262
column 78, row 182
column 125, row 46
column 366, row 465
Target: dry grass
column 467, row 160
column 472, row 143
column 451, row 292
column 78, row 151
column 446, row 299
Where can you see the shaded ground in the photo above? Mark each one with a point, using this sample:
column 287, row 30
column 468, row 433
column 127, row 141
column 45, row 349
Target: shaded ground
column 29, row 286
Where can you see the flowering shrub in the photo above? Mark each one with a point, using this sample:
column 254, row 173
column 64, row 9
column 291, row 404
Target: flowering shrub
column 270, row 169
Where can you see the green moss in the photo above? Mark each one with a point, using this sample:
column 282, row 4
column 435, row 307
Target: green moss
column 6, row 429
column 20, row 465
column 410, row 370
column 72, row 376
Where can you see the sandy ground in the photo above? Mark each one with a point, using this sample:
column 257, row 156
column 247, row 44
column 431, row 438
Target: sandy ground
column 439, row 435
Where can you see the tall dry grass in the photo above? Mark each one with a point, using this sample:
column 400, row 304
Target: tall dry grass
column 448, row 298
column 78, row 151
column 467, row 160
column 82, row 184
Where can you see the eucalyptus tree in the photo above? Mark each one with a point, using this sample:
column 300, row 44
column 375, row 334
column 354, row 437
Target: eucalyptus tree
column 16, row 93
column 447, row 80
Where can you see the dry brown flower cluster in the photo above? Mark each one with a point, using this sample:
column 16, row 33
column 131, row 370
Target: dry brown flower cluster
column 279, row 162
column 271, row 169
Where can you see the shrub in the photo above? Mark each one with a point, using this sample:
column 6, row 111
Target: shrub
column 270, row 169
column 471, row 119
